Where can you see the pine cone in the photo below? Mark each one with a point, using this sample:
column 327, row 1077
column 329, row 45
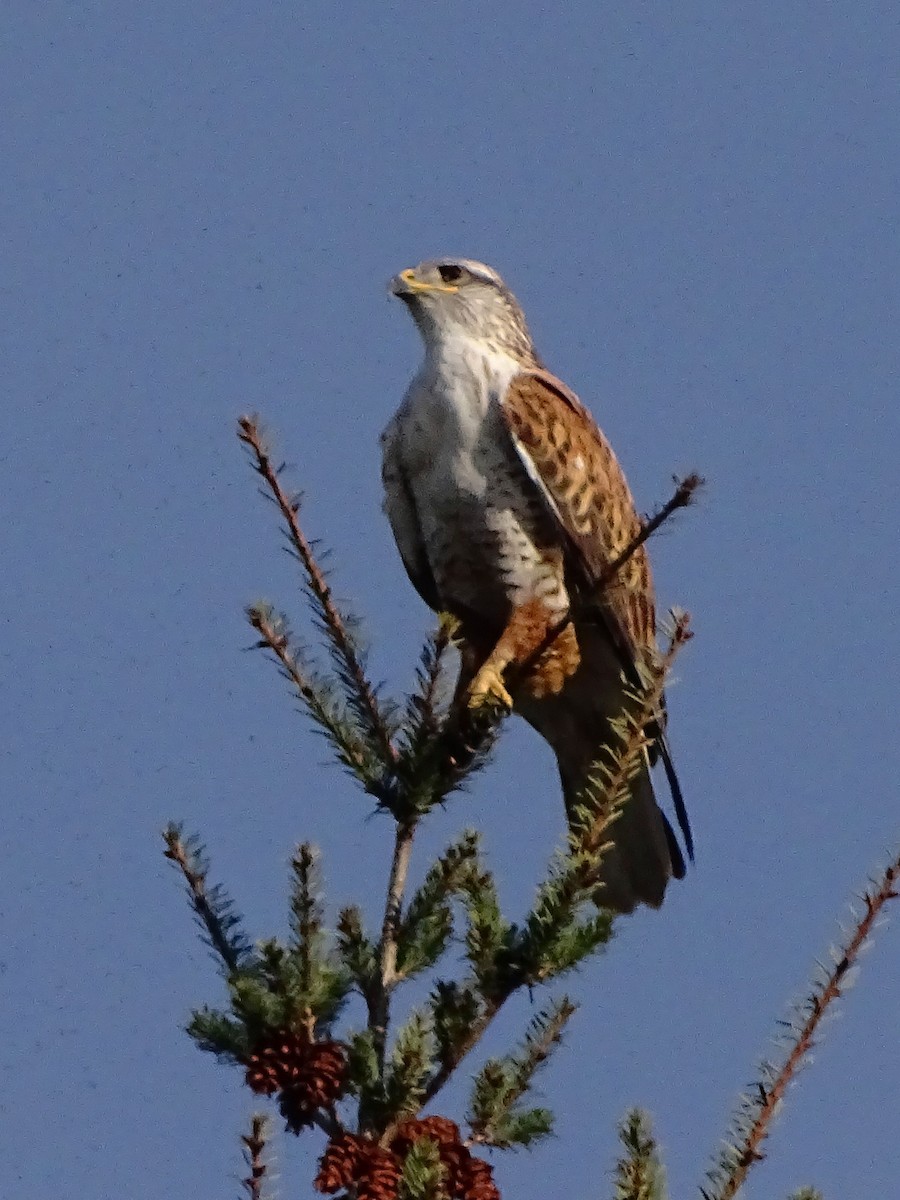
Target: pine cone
column 466, row 1177
column 476, row 1181
column 456, row 1159
column 440, row 1129
column 309, row 1075
column 379, row 1175
column 349, row 1161
column 338, row 1165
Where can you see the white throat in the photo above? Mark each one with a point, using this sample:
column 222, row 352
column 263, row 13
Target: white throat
column 464, row 367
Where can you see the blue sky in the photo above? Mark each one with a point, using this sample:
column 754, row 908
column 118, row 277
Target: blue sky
column 201, row 204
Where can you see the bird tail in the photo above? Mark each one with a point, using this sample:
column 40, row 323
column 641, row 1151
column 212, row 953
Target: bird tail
column 643, row 854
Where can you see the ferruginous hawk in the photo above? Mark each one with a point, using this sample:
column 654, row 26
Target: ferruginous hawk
column 507, row 503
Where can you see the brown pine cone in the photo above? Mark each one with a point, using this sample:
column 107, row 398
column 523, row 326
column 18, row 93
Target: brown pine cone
column 440, row 1129
column 338, row 1165
column 309, row 1075
column 476, row 1181
column 466, row 1177
column 378, row 1175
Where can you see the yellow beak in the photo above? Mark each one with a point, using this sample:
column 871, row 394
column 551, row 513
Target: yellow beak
column 407, row 283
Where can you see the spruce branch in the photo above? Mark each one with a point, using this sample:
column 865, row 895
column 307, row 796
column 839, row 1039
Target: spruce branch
column 468, row 1037
column 553, row 939
column 489, row 936
column 358, row 953
column 634, row 729
column 427, row 924
column 750, row 1125
column 254, row 1154
column 639, row 1172
column 423, row 712
column 431, row 768
column 352, row 751
column 496, row 1117
column 364, row 1075
column 455, row 1007
column 213, row 909
column 218, row 1034
column 423, row 1173
column 306, row 913
column 409, row 1067
column 346, row 654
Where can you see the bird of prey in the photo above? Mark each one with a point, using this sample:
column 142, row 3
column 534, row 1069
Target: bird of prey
column 507, row 504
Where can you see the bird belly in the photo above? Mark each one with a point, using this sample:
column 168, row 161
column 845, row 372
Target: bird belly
column 489, row 543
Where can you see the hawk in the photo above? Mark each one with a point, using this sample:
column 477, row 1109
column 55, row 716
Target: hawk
column 507, row 503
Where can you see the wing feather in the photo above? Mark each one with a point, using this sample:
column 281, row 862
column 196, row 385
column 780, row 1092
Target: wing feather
column 573, row 465
column 575, row 470
column 400, row 509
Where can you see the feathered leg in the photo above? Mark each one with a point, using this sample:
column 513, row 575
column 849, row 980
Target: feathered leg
column 524, row 634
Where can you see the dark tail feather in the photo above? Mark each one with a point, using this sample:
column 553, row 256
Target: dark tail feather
column 684, row 823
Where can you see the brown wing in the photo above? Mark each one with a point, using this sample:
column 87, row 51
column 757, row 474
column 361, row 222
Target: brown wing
column 573, row 465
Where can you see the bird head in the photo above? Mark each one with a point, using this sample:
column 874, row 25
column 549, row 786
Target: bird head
column 450, row 298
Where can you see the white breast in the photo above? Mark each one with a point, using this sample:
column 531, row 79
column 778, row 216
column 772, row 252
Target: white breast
column 477, row 522
column 448, row 418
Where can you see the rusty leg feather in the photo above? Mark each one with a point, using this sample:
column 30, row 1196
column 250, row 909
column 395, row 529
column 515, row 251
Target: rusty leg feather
column 525, row 632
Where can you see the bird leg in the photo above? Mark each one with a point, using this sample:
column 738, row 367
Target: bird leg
column 525, row 632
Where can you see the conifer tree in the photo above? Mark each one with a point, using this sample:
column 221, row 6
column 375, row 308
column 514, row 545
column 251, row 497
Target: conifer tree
column 363, row 1089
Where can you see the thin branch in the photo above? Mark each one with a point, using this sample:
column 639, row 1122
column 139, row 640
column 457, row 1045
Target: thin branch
column 274, row 636
column 476, row 1032
column 387, row 950
column 639, row 1173
column 249, row 433
column 763, row 1105
column 203, row 901
column 685, row 491
column 503, row 1082
column 255, row 1143
column 574, row 874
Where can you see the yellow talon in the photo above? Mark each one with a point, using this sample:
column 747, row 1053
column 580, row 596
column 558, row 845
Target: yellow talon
column 487, row 688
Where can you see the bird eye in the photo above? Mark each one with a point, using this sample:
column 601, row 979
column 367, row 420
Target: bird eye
column 450, row 272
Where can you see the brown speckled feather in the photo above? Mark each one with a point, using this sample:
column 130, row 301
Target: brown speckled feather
column 572, row 463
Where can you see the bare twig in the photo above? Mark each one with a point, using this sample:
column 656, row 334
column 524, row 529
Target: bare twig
column 761, row 1107
column 685, row 491
column 250, row 434
column 254, row 1150
column 387, row 951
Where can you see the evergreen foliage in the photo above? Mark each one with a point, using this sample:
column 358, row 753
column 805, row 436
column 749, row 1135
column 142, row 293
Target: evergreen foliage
column 639, row 1172
column 284, row 1021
